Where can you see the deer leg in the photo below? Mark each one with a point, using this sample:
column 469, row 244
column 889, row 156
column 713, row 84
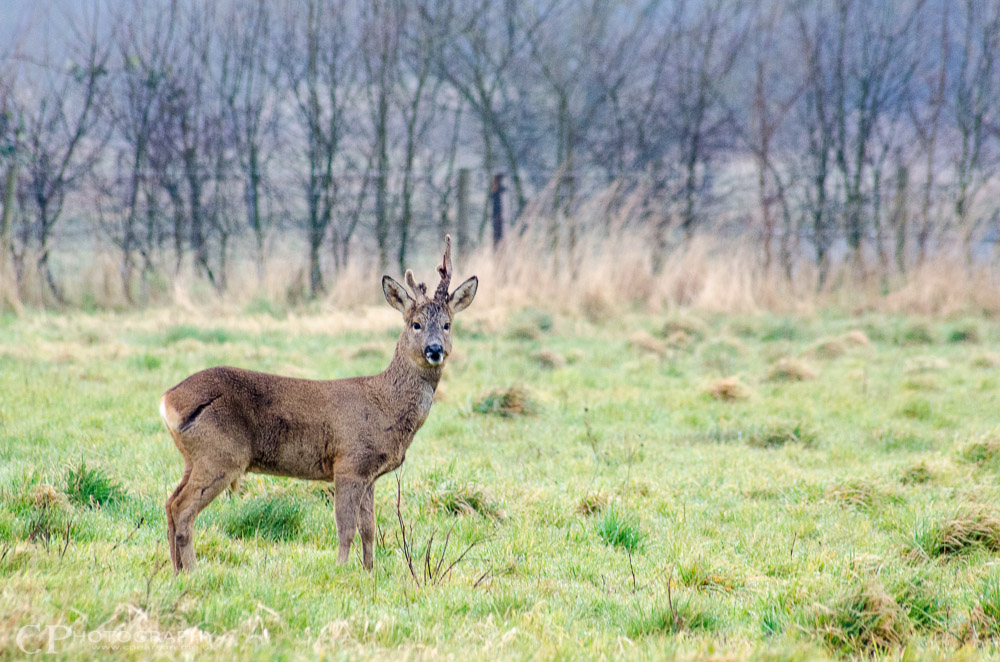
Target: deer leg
column 171, row 528
column 347, row 502
column 204, row 484
column 366, row 526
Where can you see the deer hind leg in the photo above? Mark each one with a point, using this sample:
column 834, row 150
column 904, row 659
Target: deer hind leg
column 348, row 493
column 366, row 526
column 171, row 527
column 204, row 484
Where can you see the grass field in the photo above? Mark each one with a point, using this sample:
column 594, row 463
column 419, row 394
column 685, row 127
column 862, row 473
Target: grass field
column 676, row 485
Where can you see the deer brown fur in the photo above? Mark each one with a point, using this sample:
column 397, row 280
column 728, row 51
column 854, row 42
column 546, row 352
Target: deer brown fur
column 230, row 421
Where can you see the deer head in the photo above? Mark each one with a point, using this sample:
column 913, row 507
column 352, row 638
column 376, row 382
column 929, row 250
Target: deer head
column 426, row 339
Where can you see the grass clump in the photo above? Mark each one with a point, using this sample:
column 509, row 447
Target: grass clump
column 828, row 348
column 986, row 360
column 923, row 605
column 700, row 575
column 670, row 619
column 918, row 474
column 46, row 496
column 775, row 434
column 515, row 401
column 983, row 452
column 619, row 529
column 858, row 494
column 856, row 338
column 275, row 518
column 984, row 619
column 916, row 333
column 967, row 531
column 643, row 342
column 785, row 329
column 965, row 333
column 592, row 503
column 916, row 408
column 92, row 487
column 790, row 369
column 548, row 359
column 866, row 620
column 466, row 499
column 689, row 325
column 729, row 389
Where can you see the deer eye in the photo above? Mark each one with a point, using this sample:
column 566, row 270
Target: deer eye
column 447, row 325
column 416, row 326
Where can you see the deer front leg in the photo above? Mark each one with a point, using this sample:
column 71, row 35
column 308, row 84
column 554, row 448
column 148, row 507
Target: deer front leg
column 366, row 525
column 348, row 492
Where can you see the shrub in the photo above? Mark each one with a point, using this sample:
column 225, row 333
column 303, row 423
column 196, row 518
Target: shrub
column 274, row 518
column 92, row 487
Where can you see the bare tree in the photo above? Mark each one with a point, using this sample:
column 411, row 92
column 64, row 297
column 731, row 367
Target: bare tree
column 977, row 91
column 62, row 136
column 322, row 80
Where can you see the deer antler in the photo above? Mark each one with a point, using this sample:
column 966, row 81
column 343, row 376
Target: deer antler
column 419, row 289
column 441, row 294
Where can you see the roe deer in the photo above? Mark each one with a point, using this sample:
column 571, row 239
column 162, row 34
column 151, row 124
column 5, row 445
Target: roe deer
column 229, row 421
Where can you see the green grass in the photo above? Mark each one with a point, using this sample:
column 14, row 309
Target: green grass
column 272, row 518
column 851, row 511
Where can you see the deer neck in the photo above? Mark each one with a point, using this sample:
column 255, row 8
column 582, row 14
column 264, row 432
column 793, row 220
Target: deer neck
column 411, row 386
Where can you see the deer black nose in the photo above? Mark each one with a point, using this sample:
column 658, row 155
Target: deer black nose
column 434, row 354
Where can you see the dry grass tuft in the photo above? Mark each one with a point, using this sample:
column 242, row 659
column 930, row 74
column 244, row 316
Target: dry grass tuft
column 44, row 496
column 986, row 360
column 691, row 326
column 644, row 342
column 515, row 401
column 596, row 306
column 865, row 620
column 467, row 499
column 548, row 359
column 729, row 389
column 971, row 529
column 856, row 338
column 593, row 503
column 790, row 369
column 828, row 348
column 679, row 340
column 856, row 494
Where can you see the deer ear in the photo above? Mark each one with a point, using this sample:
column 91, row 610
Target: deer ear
column 396, row 295
column 463, row 295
